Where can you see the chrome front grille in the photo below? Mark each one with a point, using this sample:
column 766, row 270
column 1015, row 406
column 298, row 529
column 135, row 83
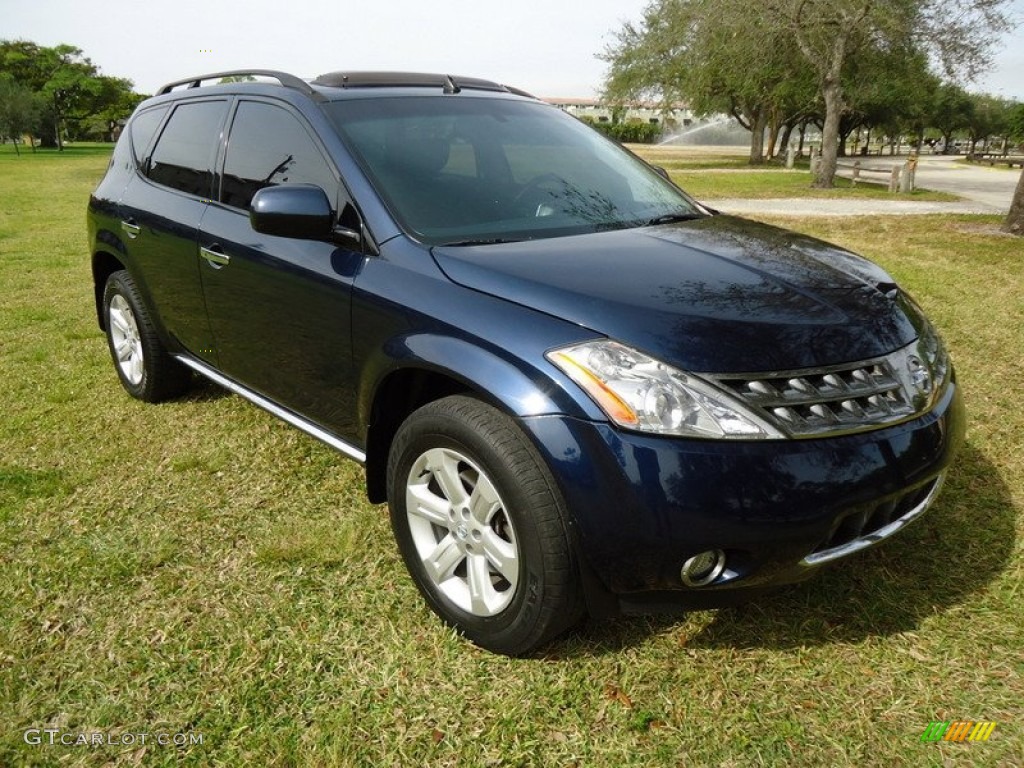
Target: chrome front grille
column 815, row 402
column 845, row 398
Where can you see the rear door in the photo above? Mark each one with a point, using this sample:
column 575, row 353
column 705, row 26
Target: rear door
column 279, row 307
column 161, row 209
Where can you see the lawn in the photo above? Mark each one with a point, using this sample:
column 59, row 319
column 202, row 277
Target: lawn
column 724, row 174
column 200, row 568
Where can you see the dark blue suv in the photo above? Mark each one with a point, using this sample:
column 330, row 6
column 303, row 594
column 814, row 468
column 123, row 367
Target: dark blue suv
column 579, row 390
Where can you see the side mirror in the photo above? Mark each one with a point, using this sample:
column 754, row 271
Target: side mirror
column 292, row 210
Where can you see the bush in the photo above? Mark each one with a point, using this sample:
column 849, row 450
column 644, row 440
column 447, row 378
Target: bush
column 629, row 133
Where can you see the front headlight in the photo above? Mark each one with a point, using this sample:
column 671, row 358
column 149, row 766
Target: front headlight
column 638, row 392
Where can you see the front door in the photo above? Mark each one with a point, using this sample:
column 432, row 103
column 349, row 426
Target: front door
column 279, row 307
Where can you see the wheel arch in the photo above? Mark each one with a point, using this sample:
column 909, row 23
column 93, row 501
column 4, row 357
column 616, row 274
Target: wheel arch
column 423, row 368
column 399, row 393
column 104, row 264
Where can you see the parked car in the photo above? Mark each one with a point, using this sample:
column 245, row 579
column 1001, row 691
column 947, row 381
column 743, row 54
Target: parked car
column 578, row 389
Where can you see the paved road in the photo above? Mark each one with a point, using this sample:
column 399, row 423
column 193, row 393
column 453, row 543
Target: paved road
column 808, row 206
column 989, row 187
column 984, row 190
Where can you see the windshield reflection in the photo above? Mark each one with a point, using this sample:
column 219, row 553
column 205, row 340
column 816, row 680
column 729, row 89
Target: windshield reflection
column 461, row 170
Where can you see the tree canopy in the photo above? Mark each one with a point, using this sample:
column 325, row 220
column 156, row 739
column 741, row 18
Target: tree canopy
column 68, row 93
column 838, row 62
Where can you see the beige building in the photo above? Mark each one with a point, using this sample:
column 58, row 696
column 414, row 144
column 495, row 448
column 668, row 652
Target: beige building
column 678, row 115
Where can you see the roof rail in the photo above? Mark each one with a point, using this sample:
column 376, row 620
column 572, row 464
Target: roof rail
column 451, row 83
column 519, row 91
column 288, row 81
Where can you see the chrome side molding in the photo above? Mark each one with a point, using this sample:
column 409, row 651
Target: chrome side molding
column 284, row 414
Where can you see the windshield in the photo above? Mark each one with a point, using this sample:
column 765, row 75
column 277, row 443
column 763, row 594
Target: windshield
column 461, row 170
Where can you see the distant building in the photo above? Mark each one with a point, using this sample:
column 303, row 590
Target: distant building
column 677, row 115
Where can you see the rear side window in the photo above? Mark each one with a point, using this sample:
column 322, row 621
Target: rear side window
column 143, row 128
column 184, row 154
column 269, row 146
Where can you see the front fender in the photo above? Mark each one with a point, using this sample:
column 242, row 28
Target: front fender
column 507, row 383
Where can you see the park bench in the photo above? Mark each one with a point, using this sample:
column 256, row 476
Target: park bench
column 1009, row 160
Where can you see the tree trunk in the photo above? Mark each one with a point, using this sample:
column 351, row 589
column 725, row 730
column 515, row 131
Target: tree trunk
column 833, row 94
column 803, row 136
column 56, row 124
column 757, row 125
column 773, row 136
column 1014, row 223
column 787, row 134
column 17, row 151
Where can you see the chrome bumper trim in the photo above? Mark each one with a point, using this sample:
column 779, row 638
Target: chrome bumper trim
column 870, row 539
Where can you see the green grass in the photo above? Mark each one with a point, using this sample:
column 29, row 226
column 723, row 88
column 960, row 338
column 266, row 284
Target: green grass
column 782, row 183
column 201, row 567
column 715, row 176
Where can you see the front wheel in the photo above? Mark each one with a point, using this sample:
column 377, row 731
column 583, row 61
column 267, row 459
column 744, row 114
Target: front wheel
column 481, row 526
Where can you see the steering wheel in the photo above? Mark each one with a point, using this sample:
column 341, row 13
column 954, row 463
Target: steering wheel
column 536, row 185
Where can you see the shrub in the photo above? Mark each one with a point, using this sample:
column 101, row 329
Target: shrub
column 631, row 133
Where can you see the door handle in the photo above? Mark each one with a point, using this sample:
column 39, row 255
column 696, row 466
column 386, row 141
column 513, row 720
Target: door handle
column 130, row 228
column 215, row 257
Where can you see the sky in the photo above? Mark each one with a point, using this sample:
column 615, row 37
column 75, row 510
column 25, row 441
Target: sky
column 546, row 47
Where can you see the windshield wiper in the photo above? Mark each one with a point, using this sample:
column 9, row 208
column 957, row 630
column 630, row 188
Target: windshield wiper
column 484, row 241
column 671, row 218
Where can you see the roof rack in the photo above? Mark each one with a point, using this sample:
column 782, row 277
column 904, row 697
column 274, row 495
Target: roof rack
column 288, row 81
column 519, row 91
column 449, row 83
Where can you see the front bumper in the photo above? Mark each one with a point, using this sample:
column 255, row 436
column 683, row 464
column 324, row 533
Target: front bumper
column 642, row 505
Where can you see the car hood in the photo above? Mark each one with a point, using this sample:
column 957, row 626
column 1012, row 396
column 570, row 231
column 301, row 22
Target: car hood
column 717, row 294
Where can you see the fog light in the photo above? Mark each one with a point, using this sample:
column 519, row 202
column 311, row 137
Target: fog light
column 702, row 569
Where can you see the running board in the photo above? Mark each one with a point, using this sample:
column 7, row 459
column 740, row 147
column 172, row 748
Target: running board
column 259, row 400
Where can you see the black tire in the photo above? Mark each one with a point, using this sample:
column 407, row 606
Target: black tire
column 146, row 370
column 518, row 509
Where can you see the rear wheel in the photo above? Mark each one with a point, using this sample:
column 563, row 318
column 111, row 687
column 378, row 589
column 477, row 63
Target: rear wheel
column 481, row 526
column 142, row 363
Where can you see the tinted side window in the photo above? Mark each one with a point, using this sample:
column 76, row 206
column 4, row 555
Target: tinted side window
column 269, row 146
column 184, row 153
column 142, row 129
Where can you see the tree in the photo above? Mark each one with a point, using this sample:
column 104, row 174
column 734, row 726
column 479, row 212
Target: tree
column 951, row 111
column 831, row 32
column 829, row 35
column 826, row 33
column 714, row 56
column 989, row 116
column 1015, row 122
column 113, row 102
column 1014, row 223
column 885, row 86
column 19, row 113
column 67, row 84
